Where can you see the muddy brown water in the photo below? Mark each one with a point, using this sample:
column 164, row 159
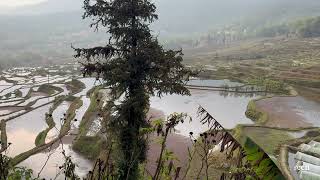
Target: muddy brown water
column 51, row 170
column 23, row 130
column 10, row 109
column 290, row 112
column 176, row 143
column 228, row 110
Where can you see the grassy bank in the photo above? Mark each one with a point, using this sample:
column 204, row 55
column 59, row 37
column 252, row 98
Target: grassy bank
column 49, row 89
column 268, row 139
column 41, row 137
column 255, row 114
column 17, row 93
column 77, row 103
column 8, row 80
column 90, row 147
column 3, row 136
column 238, row 133
column 70, row 114
column 75, row 86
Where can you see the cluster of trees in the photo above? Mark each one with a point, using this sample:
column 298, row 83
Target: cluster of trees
column 221, row 36
column 269, row 85
column 135, row 64
column 308, row 27
column 249, row 162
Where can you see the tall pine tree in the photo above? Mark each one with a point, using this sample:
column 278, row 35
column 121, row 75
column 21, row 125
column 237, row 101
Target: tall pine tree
column 133, row 63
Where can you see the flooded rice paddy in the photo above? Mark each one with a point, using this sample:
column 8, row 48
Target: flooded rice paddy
column 291, row 112
column 24, row 110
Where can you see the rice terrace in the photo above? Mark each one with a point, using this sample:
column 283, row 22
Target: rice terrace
column 160, row 90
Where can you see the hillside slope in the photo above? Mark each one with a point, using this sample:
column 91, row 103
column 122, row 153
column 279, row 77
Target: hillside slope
column 43, row 33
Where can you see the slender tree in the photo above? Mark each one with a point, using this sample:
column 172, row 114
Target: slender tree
column 133, row 63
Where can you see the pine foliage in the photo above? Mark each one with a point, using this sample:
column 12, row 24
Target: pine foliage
column 134, row 63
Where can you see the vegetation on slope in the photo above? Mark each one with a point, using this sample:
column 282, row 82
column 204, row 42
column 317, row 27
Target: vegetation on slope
column 7, row 80
column 241, row 71
column 270, row 85
column 41, row 137
column 262, row 165
column 306, row 27
column 84, row 144
column 49, row 89
column 70, row 114
column 4, row 137
column 75, row 86
column 255, row 114
column 269, row 139
column 17, row 93
column 89, row 146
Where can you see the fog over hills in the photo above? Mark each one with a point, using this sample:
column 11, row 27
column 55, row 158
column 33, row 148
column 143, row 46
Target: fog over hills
column 47, row 29
column 46, row 7
column 176, row 16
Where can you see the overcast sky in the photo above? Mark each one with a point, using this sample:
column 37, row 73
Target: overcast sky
column 16, row 3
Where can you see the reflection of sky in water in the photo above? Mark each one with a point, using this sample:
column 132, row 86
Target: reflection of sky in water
column 42, row 101
column 63, row 87
column 228, row 110
column 57, row 115
column 59, row 111
column 298, row 134
column 22, row 131
column 4, row 83
column 56, row 160
column 9, row 90
column 22, row 140
column 89, row 83
column 81, row 111
column 25, row 91
column 31, row 99
column 25, row 128
column 309, row 110
column 2, row 88
column 5, row 111
column 12, row 114
column 279, row 109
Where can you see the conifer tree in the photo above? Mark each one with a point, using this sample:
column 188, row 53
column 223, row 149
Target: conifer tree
column 134, row 63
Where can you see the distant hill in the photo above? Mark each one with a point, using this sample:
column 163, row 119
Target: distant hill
column 47, row 7
column 45, row 31
column 191, row 16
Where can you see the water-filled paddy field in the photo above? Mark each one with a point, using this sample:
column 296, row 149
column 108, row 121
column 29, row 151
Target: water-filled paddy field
column 25, row 104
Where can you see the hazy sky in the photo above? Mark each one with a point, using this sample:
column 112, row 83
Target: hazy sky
column 15, row 3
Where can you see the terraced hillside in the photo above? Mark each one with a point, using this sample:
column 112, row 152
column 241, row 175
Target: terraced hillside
column 265, row 90
column 283, row 122
column 39, row 112
column 290, row 59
